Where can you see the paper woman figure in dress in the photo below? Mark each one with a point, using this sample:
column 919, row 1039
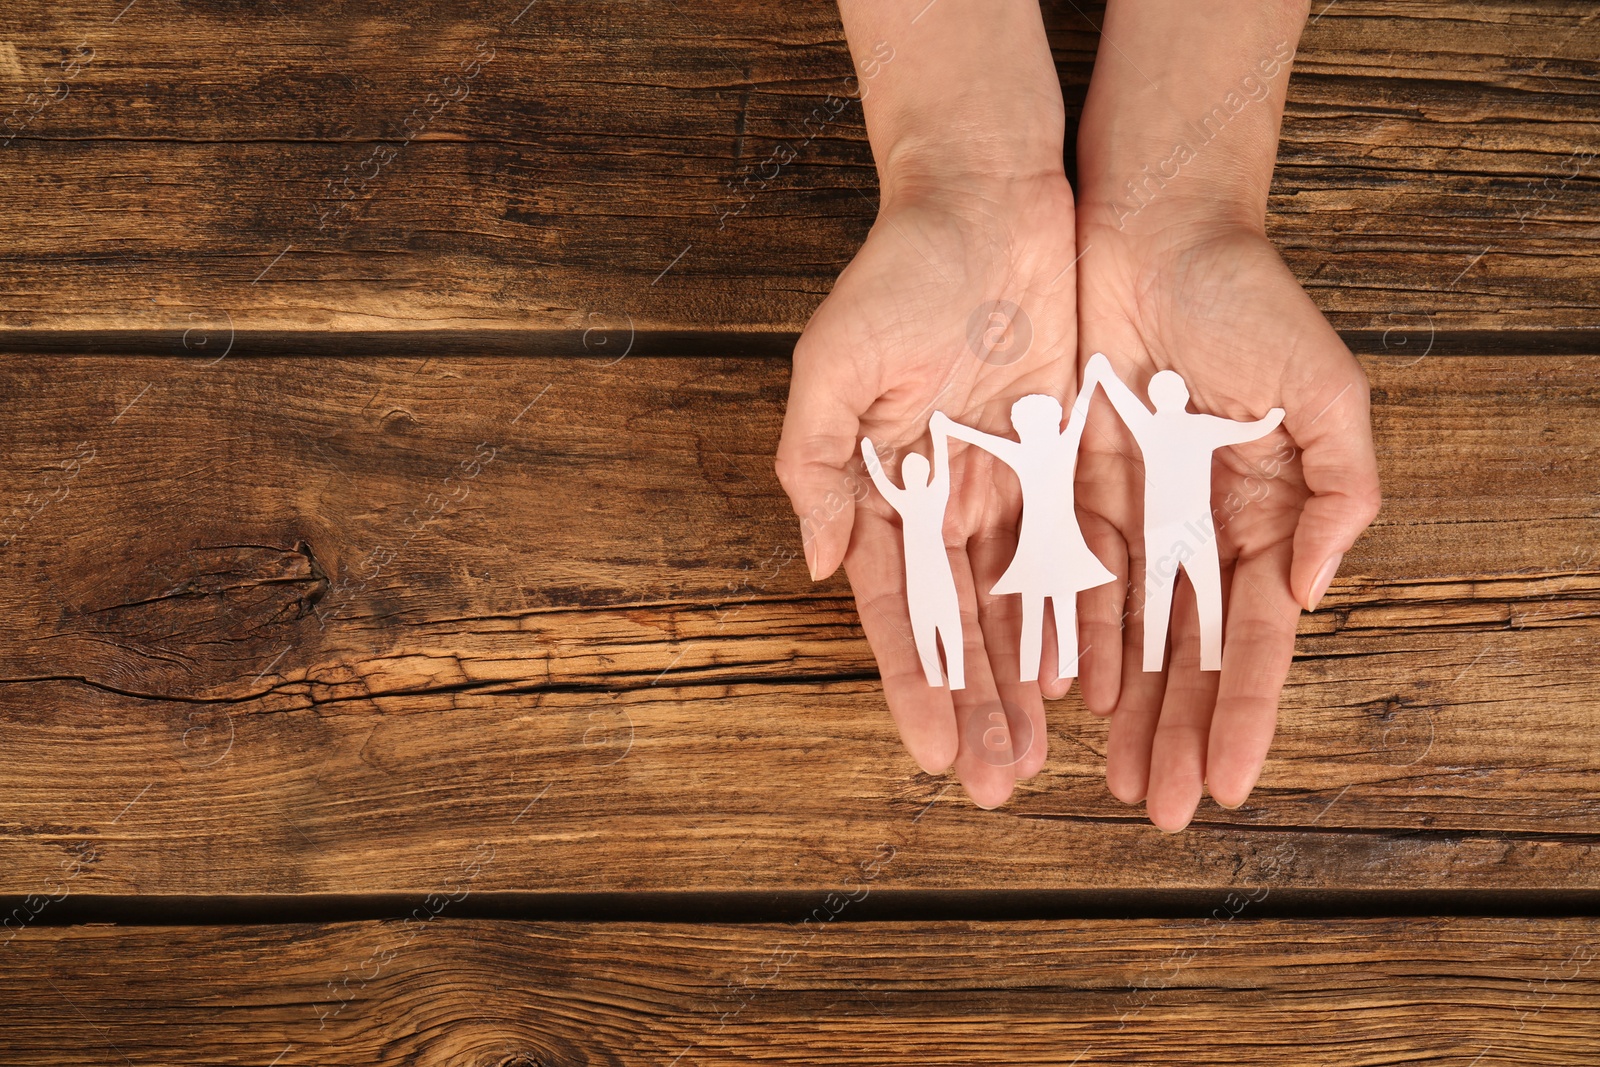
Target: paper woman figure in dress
column 1052, row 560
column 1178, row 531
column 930, row 587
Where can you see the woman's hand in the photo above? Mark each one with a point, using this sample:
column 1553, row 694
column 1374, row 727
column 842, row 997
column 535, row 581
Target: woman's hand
column 926, row 317
column 975, row 221
column 1219, row 307
column 1175, row 158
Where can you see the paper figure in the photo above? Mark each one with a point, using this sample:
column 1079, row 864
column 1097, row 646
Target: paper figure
column 1178, row 531
column 930, row 587
column 1052, row 559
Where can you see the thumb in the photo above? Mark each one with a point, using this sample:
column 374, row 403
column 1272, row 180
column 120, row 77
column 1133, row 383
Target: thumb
column 1341, row 470
column 816, row 457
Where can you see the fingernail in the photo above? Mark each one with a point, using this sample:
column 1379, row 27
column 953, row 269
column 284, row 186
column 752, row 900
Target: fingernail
column 810, row 546
column 1319, row 585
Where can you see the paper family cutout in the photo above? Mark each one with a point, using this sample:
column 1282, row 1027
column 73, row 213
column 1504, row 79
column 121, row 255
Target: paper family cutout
column 1052, row 560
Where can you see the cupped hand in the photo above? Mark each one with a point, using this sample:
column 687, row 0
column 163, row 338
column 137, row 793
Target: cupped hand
column 925, row 318
column 1216, row 303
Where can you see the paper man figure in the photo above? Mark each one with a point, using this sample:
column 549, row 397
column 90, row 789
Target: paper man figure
column 1052, row 559
column 1178, row 531
column 930, row 587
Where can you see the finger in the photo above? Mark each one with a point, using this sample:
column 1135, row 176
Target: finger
column 1178, row 749
column 1333, row 428
column 1256, row 652
column 984, row 760
column 1111, row 493
column 1100, row 613
column 817, row 453
column 924, row 715
column 1051, row 687
column 1000, row 618
column 1133, row 724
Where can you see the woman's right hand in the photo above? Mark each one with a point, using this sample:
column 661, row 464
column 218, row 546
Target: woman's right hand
column 959, row 301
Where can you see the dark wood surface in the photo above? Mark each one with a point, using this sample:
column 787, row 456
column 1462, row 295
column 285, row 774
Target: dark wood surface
column 284, row 168
column 1223, row 991
column 346, row 572
column 245, row 619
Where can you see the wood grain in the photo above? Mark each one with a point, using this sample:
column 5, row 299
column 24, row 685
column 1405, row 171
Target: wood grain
column 290, row 633
column 274, row 636
column 1225, row 990
column 178, row 169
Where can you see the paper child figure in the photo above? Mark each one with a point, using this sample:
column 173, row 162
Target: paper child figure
column 1178, row 531
column 1052, row 559
column 930, row 587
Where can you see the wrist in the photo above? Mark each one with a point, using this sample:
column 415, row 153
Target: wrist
column 1190, row 138
column 1144, row 207
column 1142, row 176
column 932, row 171
column 960, row 98
column 1145, row 177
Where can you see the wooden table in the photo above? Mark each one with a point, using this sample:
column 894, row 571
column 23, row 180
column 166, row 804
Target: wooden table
column 406, row 658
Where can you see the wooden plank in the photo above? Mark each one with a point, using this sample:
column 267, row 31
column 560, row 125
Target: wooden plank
column 289, row 626
column 1222, row 990
column 1432, row 161
column 175, row 168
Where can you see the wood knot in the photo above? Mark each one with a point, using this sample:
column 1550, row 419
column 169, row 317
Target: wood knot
column 188, row 622
column 1403, row 732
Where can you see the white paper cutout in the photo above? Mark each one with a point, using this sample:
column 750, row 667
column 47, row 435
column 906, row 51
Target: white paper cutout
column 930, row 587
column 1052, row 560
column 1177, row 444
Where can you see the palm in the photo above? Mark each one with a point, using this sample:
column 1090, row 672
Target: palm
column 893, row 343
column 1223, row 311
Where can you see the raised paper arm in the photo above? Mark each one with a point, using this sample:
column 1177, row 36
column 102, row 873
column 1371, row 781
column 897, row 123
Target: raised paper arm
column 890, row 491
column 943, row 425
column 1129, row 407
column 1096, row 369
column 1229, row 432
column 941, row 463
